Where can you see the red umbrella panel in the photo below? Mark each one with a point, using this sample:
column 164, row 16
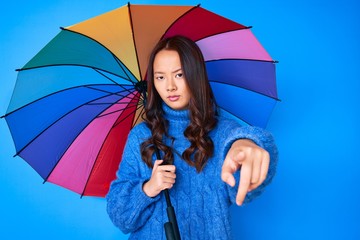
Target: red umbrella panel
column 75, row 102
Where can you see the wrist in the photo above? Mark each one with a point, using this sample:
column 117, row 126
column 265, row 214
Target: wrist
column 243, row 142
column 147, row 189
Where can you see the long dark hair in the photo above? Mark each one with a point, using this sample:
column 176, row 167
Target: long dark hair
column 202, row 106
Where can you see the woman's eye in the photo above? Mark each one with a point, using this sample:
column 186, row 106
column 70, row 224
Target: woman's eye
column 159, row 77
column 179, row 75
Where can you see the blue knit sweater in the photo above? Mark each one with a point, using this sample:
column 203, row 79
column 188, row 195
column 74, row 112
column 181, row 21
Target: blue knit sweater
column 201, row 200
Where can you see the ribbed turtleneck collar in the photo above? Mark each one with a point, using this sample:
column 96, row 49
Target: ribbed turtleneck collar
column 175, row 115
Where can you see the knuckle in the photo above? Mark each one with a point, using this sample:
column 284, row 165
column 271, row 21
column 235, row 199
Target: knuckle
column 254, row 181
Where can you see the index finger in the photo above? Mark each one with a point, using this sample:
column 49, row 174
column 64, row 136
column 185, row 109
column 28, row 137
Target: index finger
column 245, row 180
column 167, row 168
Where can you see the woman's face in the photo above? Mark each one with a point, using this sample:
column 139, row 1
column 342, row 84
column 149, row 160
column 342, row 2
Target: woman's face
column 170, row 81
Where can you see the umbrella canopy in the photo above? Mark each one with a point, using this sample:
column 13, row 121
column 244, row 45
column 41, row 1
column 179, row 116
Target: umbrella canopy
column 75, row 102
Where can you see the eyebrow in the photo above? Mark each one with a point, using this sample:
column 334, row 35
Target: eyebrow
column 178, row 70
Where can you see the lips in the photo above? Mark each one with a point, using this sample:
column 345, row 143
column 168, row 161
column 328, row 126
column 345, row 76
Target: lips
column 173, row 98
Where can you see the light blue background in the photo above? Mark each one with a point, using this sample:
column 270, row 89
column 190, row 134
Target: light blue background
column 315, row 194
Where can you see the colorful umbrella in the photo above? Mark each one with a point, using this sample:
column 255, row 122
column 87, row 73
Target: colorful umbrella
column 75, row 102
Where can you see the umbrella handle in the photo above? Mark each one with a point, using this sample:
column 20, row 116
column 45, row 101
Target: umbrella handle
column 169, row 231
column 171, row 228
column 173, row 224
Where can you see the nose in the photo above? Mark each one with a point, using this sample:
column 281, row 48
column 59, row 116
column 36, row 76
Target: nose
column 171, row 86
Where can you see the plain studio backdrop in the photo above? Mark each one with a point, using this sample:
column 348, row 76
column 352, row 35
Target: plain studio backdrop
column 315, row 194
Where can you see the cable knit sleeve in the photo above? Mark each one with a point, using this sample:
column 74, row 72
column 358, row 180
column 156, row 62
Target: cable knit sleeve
column 127, row 205
column 262, row 138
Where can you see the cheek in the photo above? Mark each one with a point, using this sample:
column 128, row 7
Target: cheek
column 157, row 86
column 187, row 90
column 158, row 89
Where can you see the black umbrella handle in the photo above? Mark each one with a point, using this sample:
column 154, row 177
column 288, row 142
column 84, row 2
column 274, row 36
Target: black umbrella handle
column 173, row 223
column 171, row 227
column 169, row 231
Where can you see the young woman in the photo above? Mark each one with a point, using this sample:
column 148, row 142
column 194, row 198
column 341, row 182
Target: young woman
column 210, row 162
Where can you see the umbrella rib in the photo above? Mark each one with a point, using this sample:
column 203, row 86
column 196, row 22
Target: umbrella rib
column 121, row 64
column 57, row 121
column 244, row 59
column 69, row 65
column 226, row 31
column 234, row 115
column 113, row 80
column 123, row 103
column 140, row 115
column 107, row 103
column 247, row 89
column 127, row 116
column 185, row 13
column 45, row 180
column 133, row 37
column 62, row 90
column 129, row 105
column 136, row 103
column 114, row 125
column 117, row 93
column 118, row 60
column 128, row 90
column 195, row 7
